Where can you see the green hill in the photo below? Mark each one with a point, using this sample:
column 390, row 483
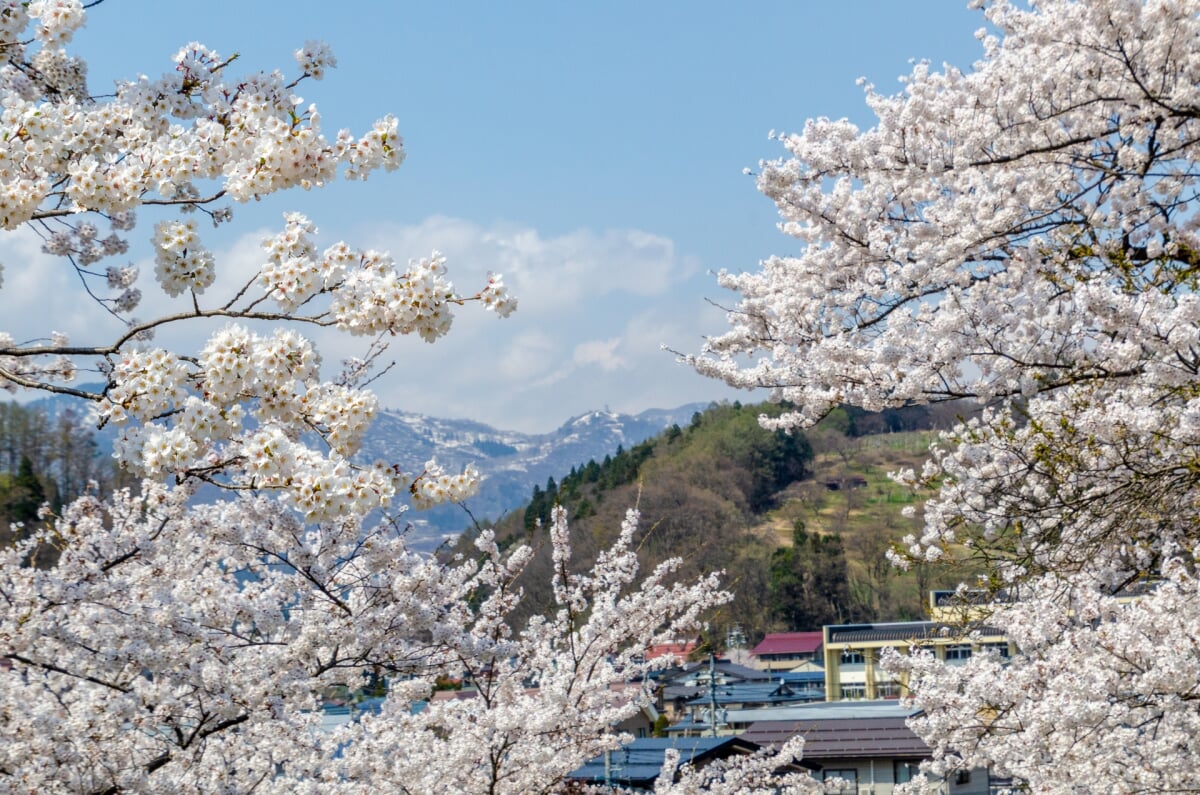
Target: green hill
column 800, row 523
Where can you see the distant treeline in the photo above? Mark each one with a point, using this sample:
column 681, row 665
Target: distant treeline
column 46, row 459
column 855, row 422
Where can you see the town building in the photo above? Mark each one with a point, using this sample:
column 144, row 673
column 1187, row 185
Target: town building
column 852, row 653
column 867, row 745
column 638, row 764
column 682, row 684
column 786, row 650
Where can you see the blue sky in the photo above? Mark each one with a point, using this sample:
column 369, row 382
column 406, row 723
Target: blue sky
column 591, row 152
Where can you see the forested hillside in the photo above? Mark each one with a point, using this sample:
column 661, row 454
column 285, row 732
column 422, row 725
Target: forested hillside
column 46, row 458
column 800, row 523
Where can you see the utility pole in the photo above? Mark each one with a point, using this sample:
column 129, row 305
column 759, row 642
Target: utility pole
column 712, row 693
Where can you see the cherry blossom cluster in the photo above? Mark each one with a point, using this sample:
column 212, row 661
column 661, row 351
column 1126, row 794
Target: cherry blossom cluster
column 146, row 385
column 244, row 411
column 314, row 58
column 1104, row 685
column 19, row 370
column 293, row 273
column 279, row 374
column 181, row 263
column 495, row 296
column 238, row 415
column 191, row 137
column 757, row 774
column 167, row 644
column 185, row 648
column 1022, row 236
column 84, row 243
column 374, row 298
column 57, row 20
column 436, row 486
column 52, row 72
column 549, row 696
column 369, row 294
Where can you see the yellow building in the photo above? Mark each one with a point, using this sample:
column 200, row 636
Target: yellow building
column 852, row 653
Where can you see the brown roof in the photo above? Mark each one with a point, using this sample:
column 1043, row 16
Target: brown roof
column 843, row 738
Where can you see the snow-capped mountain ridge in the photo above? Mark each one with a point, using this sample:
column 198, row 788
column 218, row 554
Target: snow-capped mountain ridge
column 511, row 462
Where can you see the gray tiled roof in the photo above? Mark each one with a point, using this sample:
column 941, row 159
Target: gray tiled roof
column 754, row 693
column 915, row 631
column 843, row 739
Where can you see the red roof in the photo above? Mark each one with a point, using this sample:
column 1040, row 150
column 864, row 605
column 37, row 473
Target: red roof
column 789, row 643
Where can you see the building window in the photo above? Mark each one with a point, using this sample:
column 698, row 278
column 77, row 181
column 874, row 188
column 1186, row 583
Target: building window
column 852, row 657
column 904, row 771
column 962, row 777
column 1003, row 786
column 849, row 777
column 960, row 652
column 1001, row 648
column 854, row 690
column 887, row 690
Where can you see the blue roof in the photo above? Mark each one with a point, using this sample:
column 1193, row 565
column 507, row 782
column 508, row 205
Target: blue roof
column 753, row 693
column 799, row 677
column 696, row 723
column 642, row 759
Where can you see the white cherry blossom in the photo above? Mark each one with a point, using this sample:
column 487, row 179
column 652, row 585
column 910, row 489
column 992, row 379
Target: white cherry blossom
column 154, row 642
column 1024, row 236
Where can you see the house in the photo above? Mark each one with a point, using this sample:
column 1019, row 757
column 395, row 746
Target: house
column 867, row 745
column 638, row 764
column 747, row 695
column 786, row 650
column 809, row 678
column 852, row 653
column 967, row 605
column 962, row 606
column 713, row 669
column 736, row 721
column 677, row 686
column 334, row 715
column 681, row 649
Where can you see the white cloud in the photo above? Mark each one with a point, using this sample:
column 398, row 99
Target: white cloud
column 41, row 294
column 549, row 273
column 602, row 353
column 527, row 358
column 595, row 309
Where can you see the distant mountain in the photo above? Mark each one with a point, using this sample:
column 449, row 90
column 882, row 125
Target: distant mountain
column 511, row 463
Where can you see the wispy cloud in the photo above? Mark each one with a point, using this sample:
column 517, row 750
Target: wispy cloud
column 600, row 353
